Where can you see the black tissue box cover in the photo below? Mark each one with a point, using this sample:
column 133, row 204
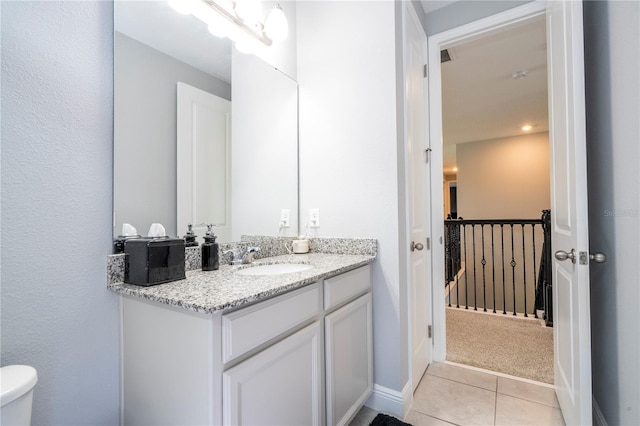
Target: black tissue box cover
column 153, row 261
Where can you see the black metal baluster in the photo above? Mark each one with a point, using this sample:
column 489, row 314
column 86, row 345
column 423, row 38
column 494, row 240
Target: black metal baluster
column 513, row 270
column 493, row 268
column 466, row 267
column 457, row 279
column 447, row 254
column 475, row 286
column 484, row 263
column 504, row 290
column 524, row 272
column 533, row 240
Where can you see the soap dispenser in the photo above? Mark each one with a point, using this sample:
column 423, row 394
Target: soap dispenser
column 210, row 259
column 190, row 237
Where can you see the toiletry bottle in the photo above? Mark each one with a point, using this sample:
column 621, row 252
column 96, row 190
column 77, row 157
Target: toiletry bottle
column 190, row 237
column 210, row 259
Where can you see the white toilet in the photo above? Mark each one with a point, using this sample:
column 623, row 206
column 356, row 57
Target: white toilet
column 16, row 394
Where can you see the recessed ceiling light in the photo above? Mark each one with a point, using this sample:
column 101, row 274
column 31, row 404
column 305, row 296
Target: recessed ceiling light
column 527, row 127
column 455, row 169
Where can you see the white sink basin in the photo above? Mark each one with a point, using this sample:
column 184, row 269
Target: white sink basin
column 274, row 269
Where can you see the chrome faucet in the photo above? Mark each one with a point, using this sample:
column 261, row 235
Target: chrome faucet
column 244, row 258
column 247, row 256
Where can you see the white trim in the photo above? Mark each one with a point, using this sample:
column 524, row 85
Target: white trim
column 498, row 374
column 435, row 44
column 389, row 401
column 598, row 417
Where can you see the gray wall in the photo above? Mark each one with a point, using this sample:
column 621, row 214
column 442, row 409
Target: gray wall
column 612, row 62
column 145, row 129
column 57, row 314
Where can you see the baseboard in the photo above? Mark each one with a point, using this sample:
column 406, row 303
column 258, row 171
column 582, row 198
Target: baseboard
column 389, row 401
column 598, row 417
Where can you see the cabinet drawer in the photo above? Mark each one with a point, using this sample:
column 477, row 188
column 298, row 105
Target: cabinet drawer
column 247, row 328
column 347, row 286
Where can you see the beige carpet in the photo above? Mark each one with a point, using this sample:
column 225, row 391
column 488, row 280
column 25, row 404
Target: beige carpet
column 501, row 343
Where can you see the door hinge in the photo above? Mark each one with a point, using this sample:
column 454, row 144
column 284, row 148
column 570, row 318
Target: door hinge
column 427, row 155
column 430, row 331
column 425, row 71
column 428, row 243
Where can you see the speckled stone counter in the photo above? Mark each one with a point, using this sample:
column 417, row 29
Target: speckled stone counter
column 222, row 290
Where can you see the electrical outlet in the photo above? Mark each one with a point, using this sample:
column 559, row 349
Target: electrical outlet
column 314, row 218
column 284, row 218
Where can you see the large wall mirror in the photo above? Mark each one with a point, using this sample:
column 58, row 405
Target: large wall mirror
column 202, row 133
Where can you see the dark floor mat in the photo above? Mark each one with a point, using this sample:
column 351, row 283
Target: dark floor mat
column 385, row 420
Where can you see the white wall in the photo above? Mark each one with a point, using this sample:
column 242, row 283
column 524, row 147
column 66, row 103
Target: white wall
column 612, row 62
column 349, row 153
column 57, row 147
column 505, row 178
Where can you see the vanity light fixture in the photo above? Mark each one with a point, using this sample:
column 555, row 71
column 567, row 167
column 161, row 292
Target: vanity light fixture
column 239, row 20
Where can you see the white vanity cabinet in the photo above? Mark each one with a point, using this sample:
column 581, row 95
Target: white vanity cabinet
column 303, row 357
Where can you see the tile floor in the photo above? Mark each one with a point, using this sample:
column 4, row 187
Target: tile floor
column 450, row 394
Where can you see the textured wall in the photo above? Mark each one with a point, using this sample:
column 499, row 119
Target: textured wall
column 612, row 64
column 57, row 315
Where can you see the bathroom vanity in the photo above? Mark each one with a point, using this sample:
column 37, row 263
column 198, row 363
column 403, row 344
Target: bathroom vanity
column 227, row 348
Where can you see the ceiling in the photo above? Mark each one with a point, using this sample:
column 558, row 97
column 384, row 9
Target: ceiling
column 480, row 98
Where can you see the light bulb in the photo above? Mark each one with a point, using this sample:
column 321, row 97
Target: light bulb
column 181, row 6
column 276, row 26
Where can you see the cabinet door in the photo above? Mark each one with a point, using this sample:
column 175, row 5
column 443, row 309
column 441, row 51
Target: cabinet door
column 349, row 355
column 281, row 385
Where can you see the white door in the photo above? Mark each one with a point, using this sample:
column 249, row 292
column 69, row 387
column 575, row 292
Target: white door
column 571, row 313
column 418, row 196
column 203, row 161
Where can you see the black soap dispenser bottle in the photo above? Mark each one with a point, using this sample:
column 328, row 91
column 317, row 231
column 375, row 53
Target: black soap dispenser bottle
column 210, row 259
column 190, row 237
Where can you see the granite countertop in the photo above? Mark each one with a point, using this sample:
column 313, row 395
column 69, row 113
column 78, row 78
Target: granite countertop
column 222, row 290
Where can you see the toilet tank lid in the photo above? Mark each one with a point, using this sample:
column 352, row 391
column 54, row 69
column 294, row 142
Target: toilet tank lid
column 15, row 381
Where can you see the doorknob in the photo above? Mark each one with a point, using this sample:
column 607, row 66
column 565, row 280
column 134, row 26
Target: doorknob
column 563, row 255
column 598, row 257
column 416, row 246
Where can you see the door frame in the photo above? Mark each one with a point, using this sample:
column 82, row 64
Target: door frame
column 436, row 43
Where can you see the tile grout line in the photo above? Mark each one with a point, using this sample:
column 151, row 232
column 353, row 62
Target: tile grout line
column 495, row 407
column 463, row 383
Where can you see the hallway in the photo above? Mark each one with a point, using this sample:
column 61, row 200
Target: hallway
column 450, row 394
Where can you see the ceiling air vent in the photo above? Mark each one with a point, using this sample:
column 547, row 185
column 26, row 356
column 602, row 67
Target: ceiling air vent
column 445, row 56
